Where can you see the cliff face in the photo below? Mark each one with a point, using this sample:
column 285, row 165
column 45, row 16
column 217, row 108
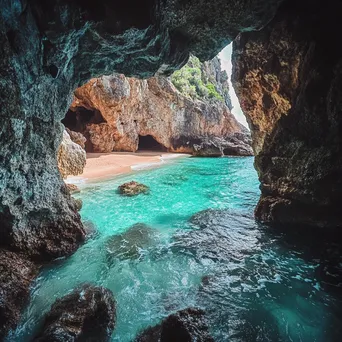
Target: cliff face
column 288, row 77
column 116, row 113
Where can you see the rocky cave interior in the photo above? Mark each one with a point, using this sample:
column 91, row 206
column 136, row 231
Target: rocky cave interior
column 284, row 51
column 149, row 143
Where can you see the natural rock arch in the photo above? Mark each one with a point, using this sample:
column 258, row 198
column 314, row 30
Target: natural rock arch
column 51, row 47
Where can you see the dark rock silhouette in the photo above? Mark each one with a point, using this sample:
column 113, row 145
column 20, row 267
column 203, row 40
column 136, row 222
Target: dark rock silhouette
column 87, row 314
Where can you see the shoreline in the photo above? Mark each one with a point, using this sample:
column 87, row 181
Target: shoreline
column 104, row 166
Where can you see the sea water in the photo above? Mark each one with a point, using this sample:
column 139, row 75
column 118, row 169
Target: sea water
column 255, row 283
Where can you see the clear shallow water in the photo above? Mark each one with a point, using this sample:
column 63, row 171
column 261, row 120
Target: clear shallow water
column 254, row 283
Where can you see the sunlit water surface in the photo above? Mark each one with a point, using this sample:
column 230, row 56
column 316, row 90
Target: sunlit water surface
column 254, row 283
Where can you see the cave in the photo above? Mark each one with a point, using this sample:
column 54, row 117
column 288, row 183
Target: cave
column 287, row 74
column 148, row 143
column 76, row 119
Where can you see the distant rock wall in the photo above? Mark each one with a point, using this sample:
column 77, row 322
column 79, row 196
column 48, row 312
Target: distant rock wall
column 114, row 112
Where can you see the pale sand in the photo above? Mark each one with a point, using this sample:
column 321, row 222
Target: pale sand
column 101, row 166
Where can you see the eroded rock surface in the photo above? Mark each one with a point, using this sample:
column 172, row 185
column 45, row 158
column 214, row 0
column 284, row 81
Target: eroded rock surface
column 48, row 49
column 116, row 113
column 71, row 157
column 86, row 314
column 288, row 77
column 16, row 275
column 133, row 188
column 184, row 326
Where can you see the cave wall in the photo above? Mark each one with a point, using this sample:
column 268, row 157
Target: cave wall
column 48, row 48
column 288, row 78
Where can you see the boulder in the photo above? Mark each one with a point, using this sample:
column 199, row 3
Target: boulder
column 184, row 326
column 71, row 157
column 133, row 188
column 16, row 275
column 86, row 314
column 130, row 244
column 77, row 137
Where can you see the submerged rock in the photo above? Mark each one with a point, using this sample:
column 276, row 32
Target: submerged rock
column 132, row 243
column 16, row 275
column 233, row 233
column 86, row 314
column 90, row 229
column 133, row 188
column 184, row 326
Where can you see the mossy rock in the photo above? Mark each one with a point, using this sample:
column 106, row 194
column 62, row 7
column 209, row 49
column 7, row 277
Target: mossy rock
column 78, row 203
column 133, row 188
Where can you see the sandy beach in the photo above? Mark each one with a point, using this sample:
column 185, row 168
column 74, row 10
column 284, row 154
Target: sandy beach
column 101, row 166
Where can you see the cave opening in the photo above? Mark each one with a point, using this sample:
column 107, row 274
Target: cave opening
column 77, row 119
column 148, row 143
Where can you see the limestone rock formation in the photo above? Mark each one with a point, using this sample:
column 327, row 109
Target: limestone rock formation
column 133, row 188
column 86, row 314
column 48, row 49
column 288, row 77
column 76, row 137
column 184, row 326
column 16, row 275
column 71, row 157
column 116, row 113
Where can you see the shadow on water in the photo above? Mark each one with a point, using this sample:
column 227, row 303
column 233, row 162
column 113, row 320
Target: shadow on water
column 266, row 284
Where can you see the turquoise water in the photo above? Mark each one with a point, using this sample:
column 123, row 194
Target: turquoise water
column 256, row 284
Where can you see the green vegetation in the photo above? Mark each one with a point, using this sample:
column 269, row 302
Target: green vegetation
column 191, row 81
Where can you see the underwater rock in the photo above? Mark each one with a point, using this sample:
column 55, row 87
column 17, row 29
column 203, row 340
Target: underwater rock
column 73, row 189
column 71, row 157
column 16, row 275
column 133, row 188
column 131, row 243
column 187, row 325
column 90, row 229
column 86, row 314
column 233, row 233
column 116, row 113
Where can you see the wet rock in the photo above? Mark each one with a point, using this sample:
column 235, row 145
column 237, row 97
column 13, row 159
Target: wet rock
column 184, row 326
column 286, row 76
column 73, row 189
column 238, row 144
column 16, row 275
column 86, row 314
column 233, row 233
column 90, row 229
column 133, row 188
column 78, row 203
column 132, row 243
